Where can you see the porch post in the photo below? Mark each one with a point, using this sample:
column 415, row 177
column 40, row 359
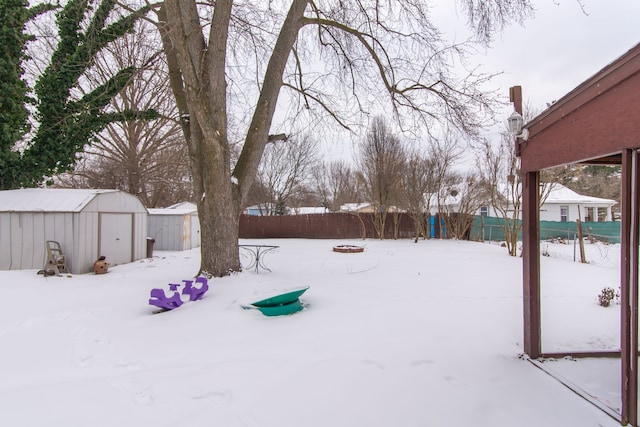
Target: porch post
column 531, row 263
column 629, row 285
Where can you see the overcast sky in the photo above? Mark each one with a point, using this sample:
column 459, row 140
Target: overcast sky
column 559, row 48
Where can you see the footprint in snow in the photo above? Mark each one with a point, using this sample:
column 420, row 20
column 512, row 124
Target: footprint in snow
column 374, row 363
column 221, row 397
column 143, row 397
column 34, row 321
column 422, row 362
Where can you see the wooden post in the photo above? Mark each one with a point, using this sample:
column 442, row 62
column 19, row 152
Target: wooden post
column 628, row 286
column 633, row 292
column 531, row 263
column 583, row 258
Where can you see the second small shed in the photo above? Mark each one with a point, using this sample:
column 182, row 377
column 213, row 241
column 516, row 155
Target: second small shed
column 176, row 228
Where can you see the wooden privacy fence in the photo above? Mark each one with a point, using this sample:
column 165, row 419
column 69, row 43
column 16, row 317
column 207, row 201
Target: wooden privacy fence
column 323, row 226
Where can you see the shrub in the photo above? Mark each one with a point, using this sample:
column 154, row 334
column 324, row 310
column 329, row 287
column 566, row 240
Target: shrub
column 606, row 296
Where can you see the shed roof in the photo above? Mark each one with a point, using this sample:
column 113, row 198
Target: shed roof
column 183, row 205
column 172, row 211
column 47, row 199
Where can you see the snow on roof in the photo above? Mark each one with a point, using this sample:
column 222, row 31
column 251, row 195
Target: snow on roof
column 183, row 205
column 561, row 194
column 182, row 208
column 47, row 199
column 305, row 210
column 348, row 207
column 171, row 211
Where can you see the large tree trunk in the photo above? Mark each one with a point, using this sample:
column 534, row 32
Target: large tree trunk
column 219, row 220
column 198, row 81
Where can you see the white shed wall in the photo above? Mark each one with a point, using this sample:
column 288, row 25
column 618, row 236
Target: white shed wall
column 85, row 242
column 23, row 236
column 140, row 234
column 174, row 232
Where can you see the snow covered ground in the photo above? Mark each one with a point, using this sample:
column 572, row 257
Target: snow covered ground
column 402, row 334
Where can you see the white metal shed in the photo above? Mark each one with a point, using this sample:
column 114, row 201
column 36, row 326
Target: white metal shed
column 176, row 228
column 86, row 223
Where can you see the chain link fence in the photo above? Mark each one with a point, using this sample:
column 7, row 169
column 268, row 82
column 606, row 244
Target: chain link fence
column 560, row 239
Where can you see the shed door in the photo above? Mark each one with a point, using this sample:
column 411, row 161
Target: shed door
column 116, row 237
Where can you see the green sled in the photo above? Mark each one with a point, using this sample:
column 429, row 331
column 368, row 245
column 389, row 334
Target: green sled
column 282, row 304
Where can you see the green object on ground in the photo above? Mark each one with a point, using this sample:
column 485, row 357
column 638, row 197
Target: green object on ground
column 282, row 304
column 281, row 309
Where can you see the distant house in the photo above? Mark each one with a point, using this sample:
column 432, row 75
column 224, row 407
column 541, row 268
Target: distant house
column 263, row 209
column 565, row 205
column 562, row 204
column 308, row 210
column 356, row 207
column 86, row 223
column 267, row 209
column 450, row 203
column 176, row 228
column 363, row 208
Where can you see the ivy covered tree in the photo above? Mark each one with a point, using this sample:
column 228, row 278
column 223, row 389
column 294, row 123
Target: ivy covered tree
column 13, row 89
column 68, row 115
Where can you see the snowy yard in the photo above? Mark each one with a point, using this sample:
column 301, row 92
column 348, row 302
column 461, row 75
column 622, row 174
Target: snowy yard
column 403, row 334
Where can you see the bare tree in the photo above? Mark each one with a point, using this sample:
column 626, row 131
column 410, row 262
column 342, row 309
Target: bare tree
column 499, row 168
column 305, row 196
column 284, row 173
column 146, row 158
column 418, row 182
column 460, row 199
column 359, row 45
column 381, row 159
column 336, row 184
column 443, row 154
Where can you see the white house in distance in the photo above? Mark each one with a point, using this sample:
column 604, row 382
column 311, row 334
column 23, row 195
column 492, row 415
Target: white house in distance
column 175, row 228
column 86, row 223
column 267, row 209
column 565, row 205
column 562, row 205
column 363, row 208
column 308, row 210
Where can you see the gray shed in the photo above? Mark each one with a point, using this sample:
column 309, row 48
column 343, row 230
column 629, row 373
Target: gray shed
column 176, row 228
column 86, row 223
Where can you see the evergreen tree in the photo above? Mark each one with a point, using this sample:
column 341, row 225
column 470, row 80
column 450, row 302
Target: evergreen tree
column 13, row 89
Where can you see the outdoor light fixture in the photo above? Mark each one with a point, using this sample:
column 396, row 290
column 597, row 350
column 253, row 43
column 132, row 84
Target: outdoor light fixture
column 515, row 122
